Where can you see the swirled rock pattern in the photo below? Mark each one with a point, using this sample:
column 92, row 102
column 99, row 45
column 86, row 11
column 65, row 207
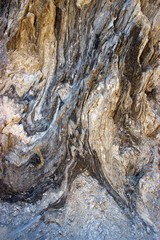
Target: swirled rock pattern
column 80, row 91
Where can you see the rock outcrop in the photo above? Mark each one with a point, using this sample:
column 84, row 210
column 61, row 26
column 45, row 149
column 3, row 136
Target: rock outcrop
column 80, row 91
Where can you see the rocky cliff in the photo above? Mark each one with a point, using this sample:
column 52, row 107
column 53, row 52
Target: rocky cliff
column 80, row 96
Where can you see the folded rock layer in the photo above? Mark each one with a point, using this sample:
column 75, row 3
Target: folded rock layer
column 80, row 90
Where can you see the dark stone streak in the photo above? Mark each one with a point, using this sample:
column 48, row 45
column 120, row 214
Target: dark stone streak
column 58, row 23
column 132, row 69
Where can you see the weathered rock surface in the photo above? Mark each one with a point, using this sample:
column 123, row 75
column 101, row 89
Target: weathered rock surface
column 90, row 213
column 80, row 90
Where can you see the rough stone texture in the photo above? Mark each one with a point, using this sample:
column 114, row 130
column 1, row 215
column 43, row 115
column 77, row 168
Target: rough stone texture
column 90, row 213
column 80, row 90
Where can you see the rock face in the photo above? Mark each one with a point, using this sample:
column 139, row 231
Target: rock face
column 90, row 213
column 80, row 91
